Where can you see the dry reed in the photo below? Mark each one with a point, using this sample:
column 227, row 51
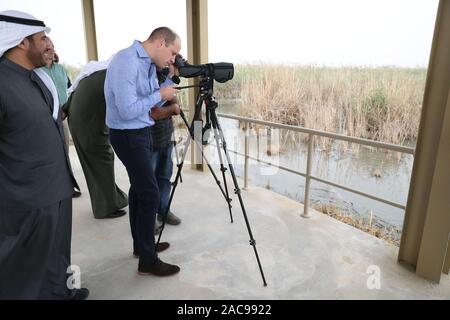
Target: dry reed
column 383, row 104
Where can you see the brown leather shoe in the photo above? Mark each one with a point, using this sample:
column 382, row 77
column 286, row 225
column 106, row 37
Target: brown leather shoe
column 159, row 248
column 158, row 268
column 162, row 246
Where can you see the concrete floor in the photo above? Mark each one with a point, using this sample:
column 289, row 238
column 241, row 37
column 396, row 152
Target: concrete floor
column 316, row 258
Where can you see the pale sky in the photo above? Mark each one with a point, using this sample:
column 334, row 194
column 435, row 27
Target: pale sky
column 321, row 32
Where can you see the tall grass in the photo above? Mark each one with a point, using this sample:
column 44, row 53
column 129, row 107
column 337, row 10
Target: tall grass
column 382, row 104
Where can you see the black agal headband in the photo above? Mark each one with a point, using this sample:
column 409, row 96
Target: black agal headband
column 28, row 22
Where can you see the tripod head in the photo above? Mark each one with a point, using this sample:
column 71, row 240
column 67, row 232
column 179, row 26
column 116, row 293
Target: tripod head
column 206, row 87
column 205, row 95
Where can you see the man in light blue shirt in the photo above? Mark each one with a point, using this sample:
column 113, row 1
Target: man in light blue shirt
column 133, row 99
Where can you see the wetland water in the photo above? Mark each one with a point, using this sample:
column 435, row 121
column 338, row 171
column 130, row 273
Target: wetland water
column 375, row 171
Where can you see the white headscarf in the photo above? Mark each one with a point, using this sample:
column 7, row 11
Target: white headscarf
column 51, row 87
column 12, row 33
column 88, row 69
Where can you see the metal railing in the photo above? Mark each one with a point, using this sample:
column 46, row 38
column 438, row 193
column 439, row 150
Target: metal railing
column 308, row 176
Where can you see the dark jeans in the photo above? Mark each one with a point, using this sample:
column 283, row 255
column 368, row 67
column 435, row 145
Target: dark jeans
column 163, row 166
column 134, row 148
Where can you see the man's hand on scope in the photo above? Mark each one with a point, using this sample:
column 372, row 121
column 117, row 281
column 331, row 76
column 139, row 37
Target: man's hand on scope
column 175, row 106
column 176, row 109
column 159, row 113
column 168, row 93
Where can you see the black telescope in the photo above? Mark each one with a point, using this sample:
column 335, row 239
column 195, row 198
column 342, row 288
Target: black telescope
column 221, row 71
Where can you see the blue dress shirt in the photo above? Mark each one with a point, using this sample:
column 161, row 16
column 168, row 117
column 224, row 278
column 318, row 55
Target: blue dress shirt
column 131, row 89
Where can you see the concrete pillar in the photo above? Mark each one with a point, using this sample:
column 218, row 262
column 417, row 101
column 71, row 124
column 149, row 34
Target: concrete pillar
column 447, row 260
column 89, row 30
column 433, row 247
column 426, row 226
column 197, row 38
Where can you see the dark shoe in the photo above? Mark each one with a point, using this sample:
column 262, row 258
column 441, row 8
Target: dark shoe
column 76, row 194
column 116, row 214
column 159, row 268
column 159, row 248
column 171, row 219
column 79, row 294
column 162, row 246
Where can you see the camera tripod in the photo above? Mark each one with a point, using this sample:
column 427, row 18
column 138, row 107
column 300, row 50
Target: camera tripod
column 205, row 95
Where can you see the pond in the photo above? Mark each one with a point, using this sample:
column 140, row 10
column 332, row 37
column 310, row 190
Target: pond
column 384, row 174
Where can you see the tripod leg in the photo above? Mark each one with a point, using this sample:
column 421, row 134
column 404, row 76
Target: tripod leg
column 237, row 190
column 180, row 166
column 223, row 169
column 176, row 152
column 174, row 186
column 191, row 131
column 225, row 195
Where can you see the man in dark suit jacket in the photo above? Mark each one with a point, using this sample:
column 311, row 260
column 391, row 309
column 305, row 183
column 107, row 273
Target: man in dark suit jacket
column 36, row 179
